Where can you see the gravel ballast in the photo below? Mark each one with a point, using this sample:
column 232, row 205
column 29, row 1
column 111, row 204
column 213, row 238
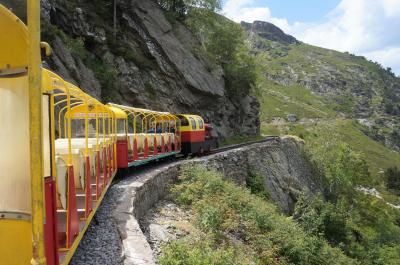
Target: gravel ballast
column 101, row 243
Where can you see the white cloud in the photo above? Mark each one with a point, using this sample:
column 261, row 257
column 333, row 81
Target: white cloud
column 366, row 27
column 357, row 26
column 240, row 10
column 389, row 57
column 392, row 7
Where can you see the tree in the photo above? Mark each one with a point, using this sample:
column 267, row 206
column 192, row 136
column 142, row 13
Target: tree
column 392, row 176
column 182, row 7
column 342, row 168
column 223, row 41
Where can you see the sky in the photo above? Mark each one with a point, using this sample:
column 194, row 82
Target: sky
column 364, row 27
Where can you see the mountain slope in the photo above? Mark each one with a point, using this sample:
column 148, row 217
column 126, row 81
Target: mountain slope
column 337, row 84
column 304, row 90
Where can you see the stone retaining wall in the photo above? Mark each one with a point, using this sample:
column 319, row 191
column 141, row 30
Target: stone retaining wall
column 279, row 162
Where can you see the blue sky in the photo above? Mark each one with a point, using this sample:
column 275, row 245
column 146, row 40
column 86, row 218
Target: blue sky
column 364, row 27
column 297, row 10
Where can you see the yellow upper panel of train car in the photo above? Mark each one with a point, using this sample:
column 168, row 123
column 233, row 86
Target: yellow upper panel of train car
column 52, row 82
column 13, row 43
column 191, row 123
column 79, row 112
column 119, row 114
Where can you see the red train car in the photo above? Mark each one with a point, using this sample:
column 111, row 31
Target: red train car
column 197, row 137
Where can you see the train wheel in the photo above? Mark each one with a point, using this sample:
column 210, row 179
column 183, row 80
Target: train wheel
column 201, row 151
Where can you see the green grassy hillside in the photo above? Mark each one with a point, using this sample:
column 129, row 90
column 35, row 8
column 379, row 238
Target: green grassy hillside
column 313, row 82
column 354, row 99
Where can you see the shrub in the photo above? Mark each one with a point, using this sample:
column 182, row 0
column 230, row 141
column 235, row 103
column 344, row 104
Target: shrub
column 342, row 168
column 230, row 217
column 392, row 177
column 359, row 224
column 200, row 251
column 324, row 219
column 255, row 183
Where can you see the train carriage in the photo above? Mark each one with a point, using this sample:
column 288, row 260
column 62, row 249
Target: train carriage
column 145, row 135
column 197, row 137
column 54, row 170
column 61, row 148
column 15, row 210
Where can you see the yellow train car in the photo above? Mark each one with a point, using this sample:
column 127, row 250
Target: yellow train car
column 58, row 151
column 145, row 135
column 15, row 189
column 61, row 148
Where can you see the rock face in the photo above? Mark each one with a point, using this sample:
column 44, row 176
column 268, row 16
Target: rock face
column 269, row 31
column 150, row 63
column 279, row 162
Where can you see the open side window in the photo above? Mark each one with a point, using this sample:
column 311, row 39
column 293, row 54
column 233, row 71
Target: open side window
column 201, row 124
column 184, row 121
column 193, row 122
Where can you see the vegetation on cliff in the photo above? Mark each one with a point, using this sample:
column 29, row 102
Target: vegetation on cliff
column 342, row 224
column 237, row 227
column 222, row 40
column 365, row 226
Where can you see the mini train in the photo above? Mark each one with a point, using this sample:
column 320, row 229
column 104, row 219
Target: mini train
column 61, row 148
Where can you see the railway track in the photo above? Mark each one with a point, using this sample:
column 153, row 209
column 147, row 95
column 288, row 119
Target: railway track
column 235, row 146
column 214, row 151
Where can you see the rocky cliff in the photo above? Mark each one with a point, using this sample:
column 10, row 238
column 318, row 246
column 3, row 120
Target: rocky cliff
column 268, row 31
column 150, row 61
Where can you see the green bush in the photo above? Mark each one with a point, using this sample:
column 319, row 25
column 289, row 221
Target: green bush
column 229, row 218
column 200, row 251
column 392, row 177
column 342, row 168
column 255, row 183
column 225, row 43
column 363, row 226
column 324, row 219
column 361, row 229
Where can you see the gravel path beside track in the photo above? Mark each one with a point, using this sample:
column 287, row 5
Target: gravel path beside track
column 101, row 244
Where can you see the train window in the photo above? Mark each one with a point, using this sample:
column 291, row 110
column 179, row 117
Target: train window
column 121, row 126
column 193, row 123
column 184, row 121
column 201, row 125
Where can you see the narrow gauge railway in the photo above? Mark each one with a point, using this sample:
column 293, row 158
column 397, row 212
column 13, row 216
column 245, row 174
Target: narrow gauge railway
column 61, row 148
column 236, row 146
